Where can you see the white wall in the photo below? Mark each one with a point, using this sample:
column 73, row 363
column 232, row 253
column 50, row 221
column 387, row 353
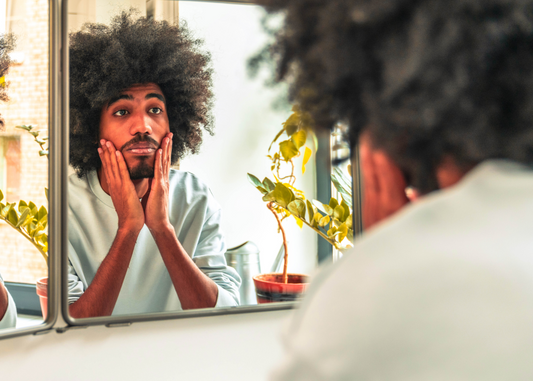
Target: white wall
column 232, row 347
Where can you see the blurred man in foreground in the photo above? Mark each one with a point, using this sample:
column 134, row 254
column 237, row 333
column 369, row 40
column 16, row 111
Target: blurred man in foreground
column 438, row 95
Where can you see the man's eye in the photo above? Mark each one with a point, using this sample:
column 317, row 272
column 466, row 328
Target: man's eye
column 121, row 113
column 155, row 110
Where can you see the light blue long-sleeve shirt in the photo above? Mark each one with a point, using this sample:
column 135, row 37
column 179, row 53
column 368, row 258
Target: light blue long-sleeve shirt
column 147, row 287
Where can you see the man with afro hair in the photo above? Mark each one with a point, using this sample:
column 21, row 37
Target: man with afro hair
column 437, row 95
column 143, row 237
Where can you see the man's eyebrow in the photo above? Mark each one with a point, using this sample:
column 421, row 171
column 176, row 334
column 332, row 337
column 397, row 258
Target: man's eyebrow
column 117, row 98
column 156, row 95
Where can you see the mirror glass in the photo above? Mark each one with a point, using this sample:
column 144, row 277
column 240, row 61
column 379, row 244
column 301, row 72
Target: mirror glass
column 24, row 163
column 240, row 233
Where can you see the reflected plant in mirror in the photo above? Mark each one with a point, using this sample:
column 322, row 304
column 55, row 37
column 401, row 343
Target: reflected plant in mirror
column 332, row 221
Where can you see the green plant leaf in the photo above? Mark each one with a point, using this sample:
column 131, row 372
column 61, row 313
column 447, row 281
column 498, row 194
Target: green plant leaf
column 268, row 184
column 1, row 195
column 22, row 217
column 342, row 183
column 307, row 156
column 343, row 232
column 347, row 209
column 324, row 221
column 338, row 213
column 34, row 133
column 12, row 216
column 297, row 207
column 288, row 150
column 42, row 213
column 333, row 203
column 26, row 128
column 43, row 152
column 310, row 210
column 299, row 139
column 283, row 195
column 22, row 205
column 291, row 124
column 6, row 209
column 349, row 221
column 46, row 194
column 255, row 181
column 326, row 209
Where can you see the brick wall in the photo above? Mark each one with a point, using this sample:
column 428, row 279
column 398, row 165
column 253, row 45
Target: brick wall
column 28, row 92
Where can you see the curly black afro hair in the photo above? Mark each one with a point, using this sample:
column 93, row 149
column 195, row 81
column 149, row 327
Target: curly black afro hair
column 7, row 44
column 105, row 60
column 428, row 79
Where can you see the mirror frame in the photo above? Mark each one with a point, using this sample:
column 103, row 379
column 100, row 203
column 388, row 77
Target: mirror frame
column 55, row 176
column 120, row 320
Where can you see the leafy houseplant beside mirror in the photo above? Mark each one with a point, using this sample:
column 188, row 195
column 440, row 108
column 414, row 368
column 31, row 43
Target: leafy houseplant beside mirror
column 30, row 221
column 333, row 221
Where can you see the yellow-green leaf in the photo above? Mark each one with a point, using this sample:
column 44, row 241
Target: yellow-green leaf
column 333, row 203
column 310, row 210
column 282, row 195
column 297, row 207
column 288, row 150
column 338, row 213
column 343, row 230
column 324, row 221
column 347, row 210
column 268, row 184
column 291, row 124
column 46, row 193
column 307, row 156
column 1, row 195
column 299, row 222
column 22, row 217
column 299, row 139
column 5, row 210
column 42, row 213
column 12, row 216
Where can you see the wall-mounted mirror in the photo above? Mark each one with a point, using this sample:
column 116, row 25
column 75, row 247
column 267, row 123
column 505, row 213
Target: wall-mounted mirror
column 220, row 219
column 24, row 163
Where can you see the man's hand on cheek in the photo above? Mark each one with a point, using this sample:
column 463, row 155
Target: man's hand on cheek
column 121, row 188
column 155, row 202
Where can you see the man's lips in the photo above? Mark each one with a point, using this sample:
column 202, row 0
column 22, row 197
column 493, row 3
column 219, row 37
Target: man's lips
column 141, row 149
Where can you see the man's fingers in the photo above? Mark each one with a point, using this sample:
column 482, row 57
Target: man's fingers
column 122, row 167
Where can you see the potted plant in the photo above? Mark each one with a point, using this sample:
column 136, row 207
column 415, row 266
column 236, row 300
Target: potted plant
column 332, row 221
column 30, row 221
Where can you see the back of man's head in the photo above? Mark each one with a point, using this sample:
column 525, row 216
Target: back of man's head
column 428, row 79
column 105, row 60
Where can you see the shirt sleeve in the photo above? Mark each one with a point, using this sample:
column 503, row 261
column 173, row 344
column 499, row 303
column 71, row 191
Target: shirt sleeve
column 10, row 317
column 75, row 285
column 209, row 257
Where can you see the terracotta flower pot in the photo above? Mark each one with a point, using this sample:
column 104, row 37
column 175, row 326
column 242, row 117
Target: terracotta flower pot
column 270, row 288
column 42, row 291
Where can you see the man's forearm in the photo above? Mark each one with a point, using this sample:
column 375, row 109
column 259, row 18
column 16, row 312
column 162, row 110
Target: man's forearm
column 194, row 288
column 101, row 296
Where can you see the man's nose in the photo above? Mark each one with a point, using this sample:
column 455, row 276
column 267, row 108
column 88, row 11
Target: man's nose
column 141, row 124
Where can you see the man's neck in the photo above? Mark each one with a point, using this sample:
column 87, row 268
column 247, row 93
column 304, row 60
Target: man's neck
column 141, row 185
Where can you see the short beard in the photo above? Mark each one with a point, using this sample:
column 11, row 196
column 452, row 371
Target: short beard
column 142, row 171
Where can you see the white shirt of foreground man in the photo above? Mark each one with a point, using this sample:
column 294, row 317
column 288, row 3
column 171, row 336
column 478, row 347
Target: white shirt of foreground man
column 443, row 290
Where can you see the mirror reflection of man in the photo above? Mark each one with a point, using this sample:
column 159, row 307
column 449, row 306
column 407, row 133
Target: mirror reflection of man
column 143, row 237
column 437, row 94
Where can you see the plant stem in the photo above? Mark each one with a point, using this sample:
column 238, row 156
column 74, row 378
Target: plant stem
column 286, row 256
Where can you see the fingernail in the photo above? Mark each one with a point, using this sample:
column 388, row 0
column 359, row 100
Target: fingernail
column 99, row 150
column 108, row 144
column 102, row 142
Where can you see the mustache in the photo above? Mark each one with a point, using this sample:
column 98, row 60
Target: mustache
column 140, row 139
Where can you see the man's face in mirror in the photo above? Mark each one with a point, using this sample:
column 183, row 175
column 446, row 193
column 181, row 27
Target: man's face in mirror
column 136, row 122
